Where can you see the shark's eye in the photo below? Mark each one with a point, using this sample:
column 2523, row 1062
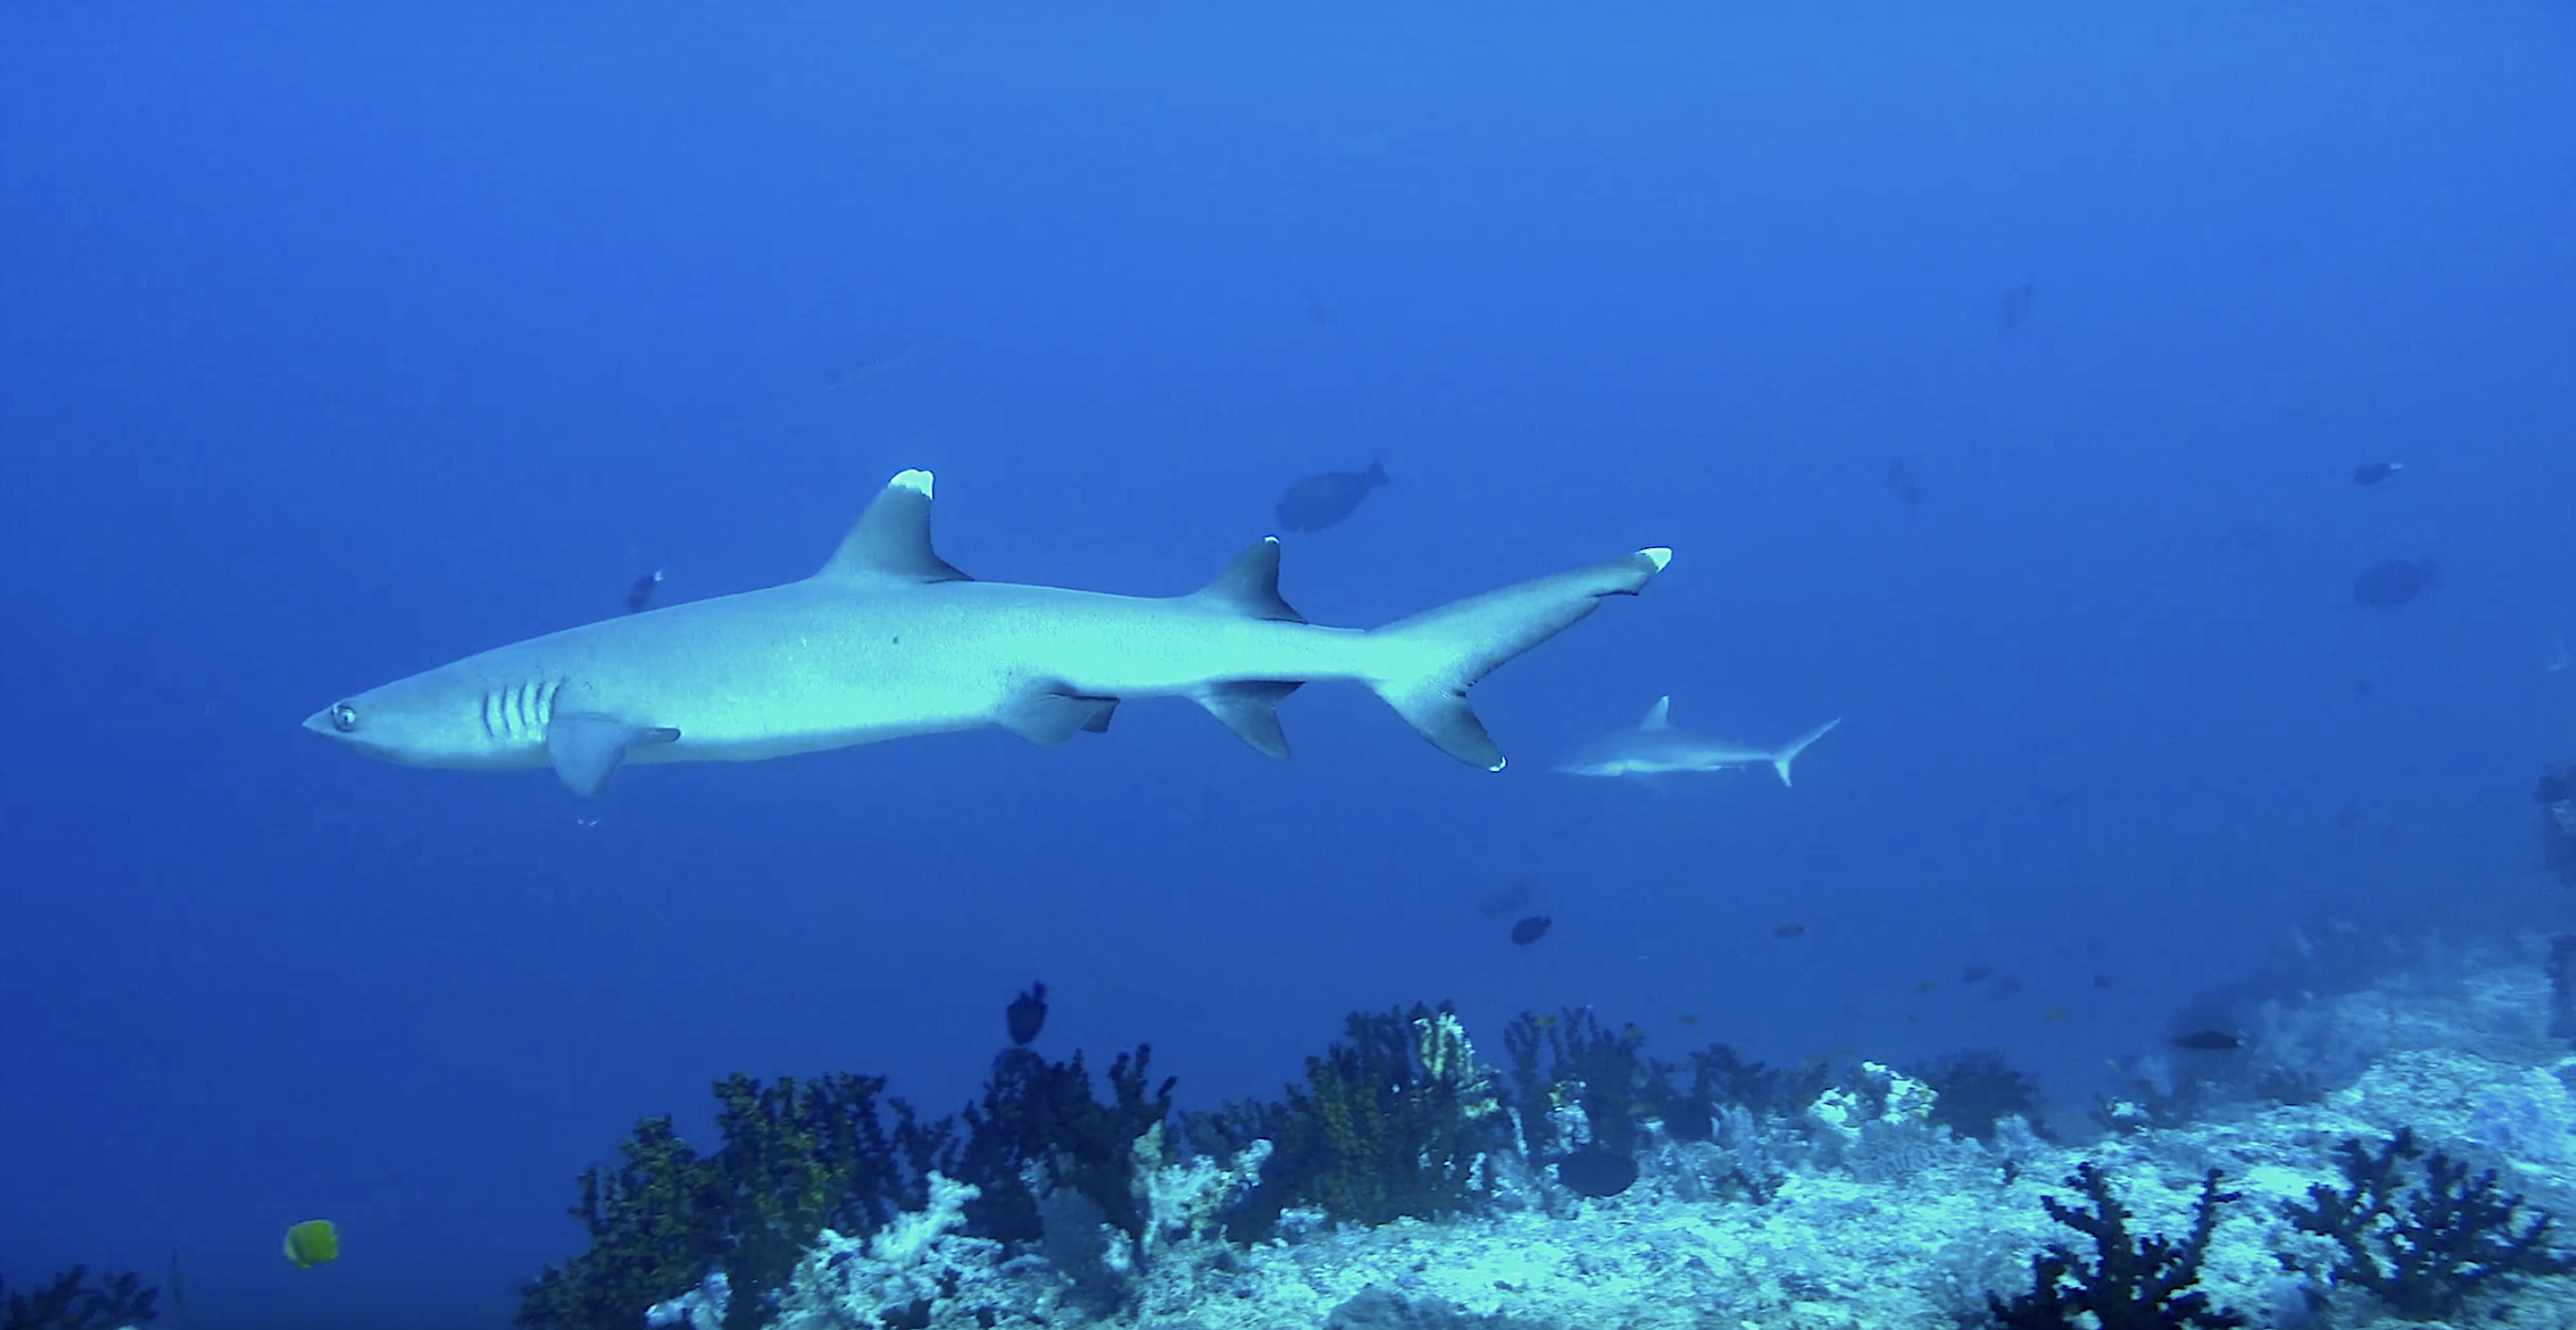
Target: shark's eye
column 344, row 718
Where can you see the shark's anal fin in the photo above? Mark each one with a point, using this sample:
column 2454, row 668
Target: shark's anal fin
column 891, row 540
column 587, row 748
column 1660, row 715
column 1250, row 708
column 1249, row 586
column 1050, row 718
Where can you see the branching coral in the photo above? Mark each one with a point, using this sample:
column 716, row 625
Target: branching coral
column 69, row 1303
column 1399, row 1120
column 2131, row 1283
column 1041, row 1114
column 797, row 1158
column 2425, row 1250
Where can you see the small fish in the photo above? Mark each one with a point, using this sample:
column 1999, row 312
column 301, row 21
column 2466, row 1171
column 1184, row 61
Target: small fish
column 1976, row 973
column 2052, row 1013
column 1900, row 481
column 2014, row 309
column 1789, row 930
column 1530, row 930
column 640, row 594
column 1594, row 1171
column 312, row 1242
column 2371, row 473
column 2101, row 981
column 2393, row 582
column 2208, row 1041
column 1027, row 1014
column 1688, row 1019
column 1319, row 501
column 1928, row 986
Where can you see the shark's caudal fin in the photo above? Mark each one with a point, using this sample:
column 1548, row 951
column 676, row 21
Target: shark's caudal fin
column 1433, row 658
column 1789, row 753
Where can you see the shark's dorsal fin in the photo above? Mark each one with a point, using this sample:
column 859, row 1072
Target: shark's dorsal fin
column 1249, row 586
column 891, row 540
column 1660, row 715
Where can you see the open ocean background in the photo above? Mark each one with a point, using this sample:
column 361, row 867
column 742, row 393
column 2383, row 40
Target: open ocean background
column 337, row 343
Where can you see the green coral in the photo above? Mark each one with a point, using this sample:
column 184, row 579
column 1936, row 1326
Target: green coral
column 798, row 1157
column 1400, row 1119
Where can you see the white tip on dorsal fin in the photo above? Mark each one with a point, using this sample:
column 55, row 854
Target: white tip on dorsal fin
column 1659, row 716
column 891, row 540
column 1249, row 586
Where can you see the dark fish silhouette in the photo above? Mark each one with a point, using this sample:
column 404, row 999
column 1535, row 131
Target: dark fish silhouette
column 1901, row 481
column 2371, row 473
column 1027, row 1014
column 1530, row 930
column 2393, row 582
column 641, row 593
column 1593, row 1171
column 1790, row 930
column 1322, row 500
column 1689, row 1120
column 2208, row 1041
column 2014, row 309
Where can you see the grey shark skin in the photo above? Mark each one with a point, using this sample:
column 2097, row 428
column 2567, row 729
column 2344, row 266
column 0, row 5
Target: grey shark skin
column 889, row 640
column 1655, row 748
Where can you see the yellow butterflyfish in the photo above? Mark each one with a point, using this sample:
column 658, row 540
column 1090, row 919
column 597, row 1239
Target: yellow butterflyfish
column 312, row 1242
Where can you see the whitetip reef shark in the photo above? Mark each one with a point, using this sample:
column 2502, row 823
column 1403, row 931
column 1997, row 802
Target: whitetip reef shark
column 890, row 640
column 1655, row 748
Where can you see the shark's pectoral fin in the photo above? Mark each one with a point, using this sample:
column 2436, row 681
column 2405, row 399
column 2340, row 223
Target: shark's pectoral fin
column 891, row 540
column 587, row 748
column 1051, row 718
column 1249, row 586
column 1250, row 708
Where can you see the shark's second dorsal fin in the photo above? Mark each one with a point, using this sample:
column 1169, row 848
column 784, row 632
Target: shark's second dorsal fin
column 1660, row 715
column 1249, row 586
column 891, row 540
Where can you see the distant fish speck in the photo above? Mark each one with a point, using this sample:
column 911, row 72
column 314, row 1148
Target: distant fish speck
column 2371, row 473
column 1790, row 930
column 2208, row 1041
column 2393, row 582
column 2014, row 309
column 640, row 594
column 1530, row 930
column 1322, row 500
column 1027, row 1014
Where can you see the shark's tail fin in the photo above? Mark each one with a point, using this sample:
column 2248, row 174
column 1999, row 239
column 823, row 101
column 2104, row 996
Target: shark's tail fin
column 1789, row 752
column 1433, row 658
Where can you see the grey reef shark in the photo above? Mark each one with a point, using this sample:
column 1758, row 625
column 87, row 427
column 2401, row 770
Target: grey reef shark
column 1655, row 748
column 890, row 640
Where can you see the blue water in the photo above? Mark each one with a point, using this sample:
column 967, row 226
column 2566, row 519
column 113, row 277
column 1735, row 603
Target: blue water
column 335, row 347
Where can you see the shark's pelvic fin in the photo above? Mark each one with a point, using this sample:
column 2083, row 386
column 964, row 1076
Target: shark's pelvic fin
column 1443, row 652
column 1050, row 718
column 1780, row 761
column 891, row 540
column 586, row 748
column 1249, row 586
column 1250, row 708
column 1660, row 715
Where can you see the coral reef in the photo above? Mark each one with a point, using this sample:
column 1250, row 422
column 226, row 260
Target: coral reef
column 70, row 1303
column 2132, row 1283
column 2425, row 1249
column 796, row 1159
column 1401, row 1119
